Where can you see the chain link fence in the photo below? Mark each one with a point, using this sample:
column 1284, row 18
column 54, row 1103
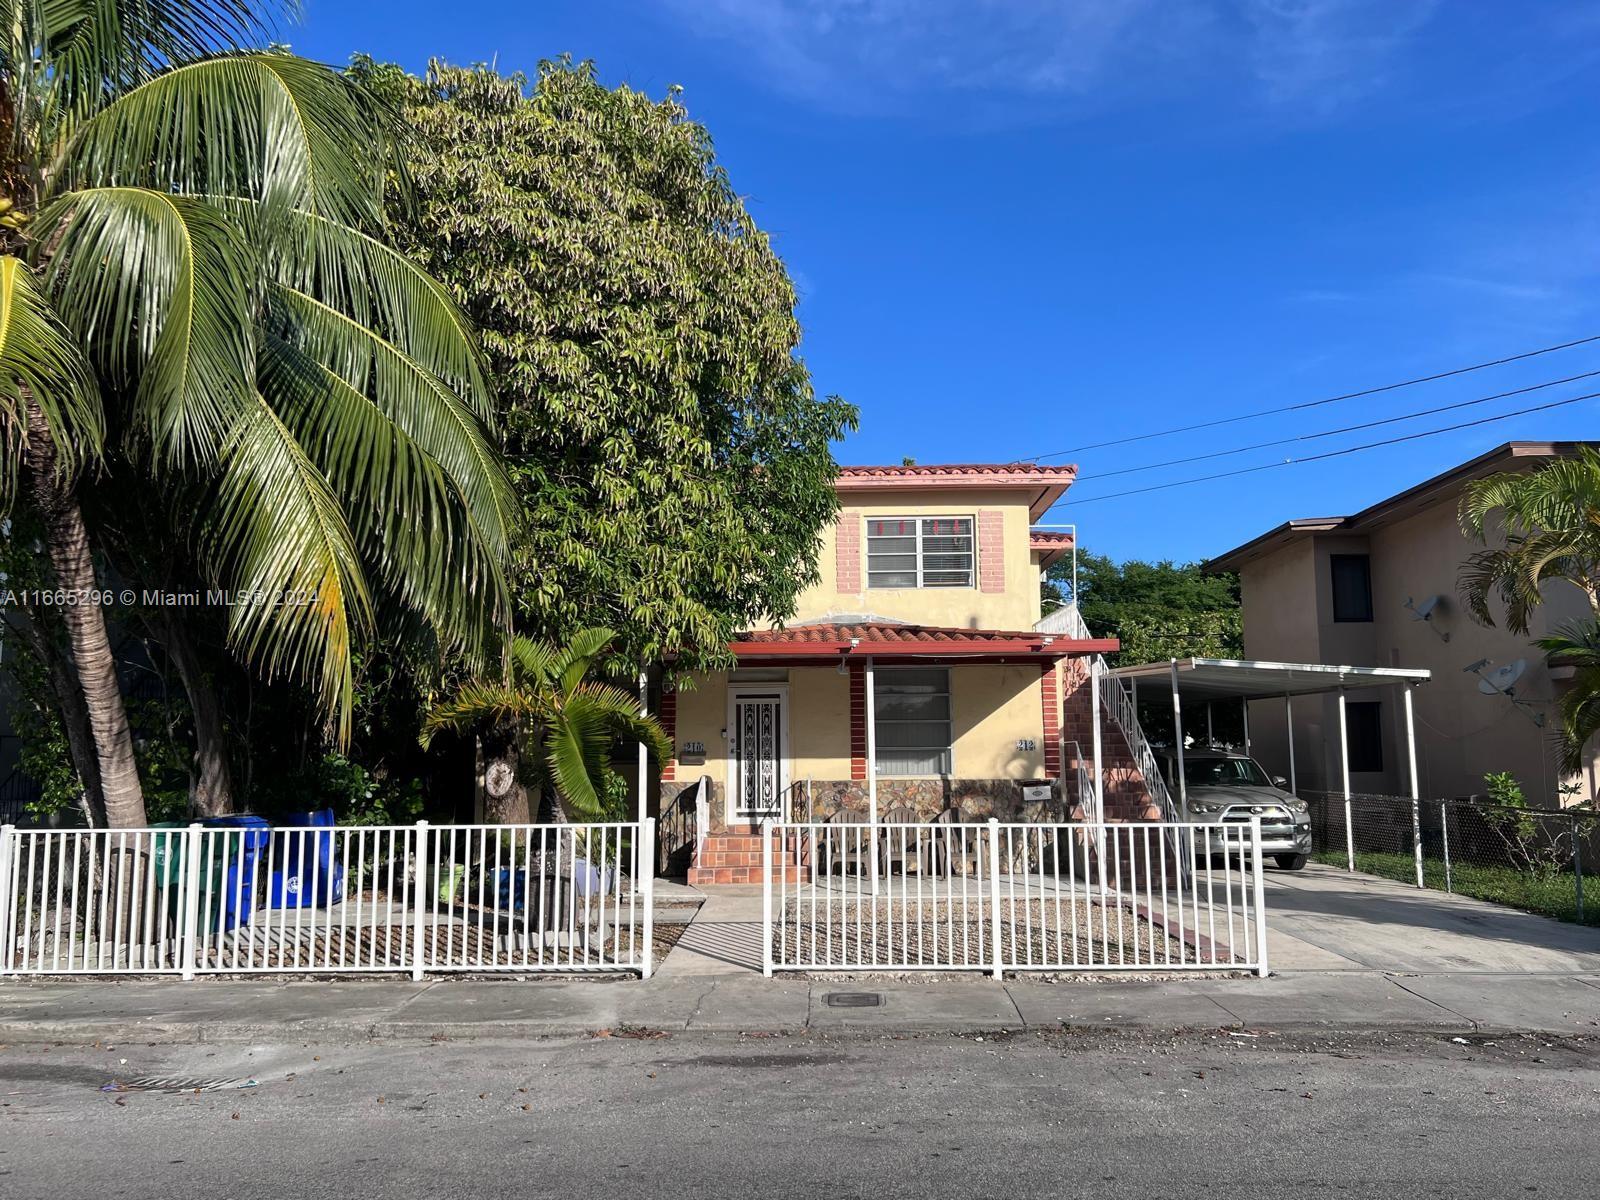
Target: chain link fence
column 1538, row 860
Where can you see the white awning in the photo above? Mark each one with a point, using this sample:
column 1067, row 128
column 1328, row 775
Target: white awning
column 1219, row 678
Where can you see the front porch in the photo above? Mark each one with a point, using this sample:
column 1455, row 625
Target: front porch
column 870, row 721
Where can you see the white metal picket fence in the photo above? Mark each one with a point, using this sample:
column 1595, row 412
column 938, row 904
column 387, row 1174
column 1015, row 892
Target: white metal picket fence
column 995, row 897
column 417, row 898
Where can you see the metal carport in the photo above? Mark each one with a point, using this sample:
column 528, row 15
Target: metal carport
column 1211, row 679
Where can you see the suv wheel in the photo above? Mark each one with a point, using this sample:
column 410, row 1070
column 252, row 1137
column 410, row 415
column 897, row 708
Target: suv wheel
column 1289, row 862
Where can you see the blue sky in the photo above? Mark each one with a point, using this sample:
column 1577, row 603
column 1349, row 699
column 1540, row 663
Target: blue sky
column 1023, row 226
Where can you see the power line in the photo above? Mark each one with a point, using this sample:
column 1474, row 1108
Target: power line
column 1326, row 433
column 1374, row 391
column 1291, row 462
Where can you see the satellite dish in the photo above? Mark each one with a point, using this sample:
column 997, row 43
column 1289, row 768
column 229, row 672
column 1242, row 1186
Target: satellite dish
column 1424, row 612
column 1420, row 612
column 1501, row 680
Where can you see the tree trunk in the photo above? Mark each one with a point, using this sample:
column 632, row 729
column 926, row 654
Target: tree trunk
column 213, row 786
column 505, row 795
column 67, row 542
column 74, row 713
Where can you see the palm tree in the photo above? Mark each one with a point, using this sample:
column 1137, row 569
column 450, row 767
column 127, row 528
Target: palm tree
column 552, row 717
column 1550, row 522
column 1577, row 646
column 195, row 300
column 1550, row 519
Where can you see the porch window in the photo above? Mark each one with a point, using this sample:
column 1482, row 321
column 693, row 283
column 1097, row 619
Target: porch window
column 919, row 552
column 912, row 709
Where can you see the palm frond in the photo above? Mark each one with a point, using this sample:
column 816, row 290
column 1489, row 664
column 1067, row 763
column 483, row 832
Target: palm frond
column 1577, row 645
column 533, row 662
column 577, row 754
column 275, row 532
column 40, row 361
column 91, row 49
column 379, row 289
column 621, row 712
column 268, row 126
column 575, row 659
column 476, row 704
column 411, row 396
column 160, row 288
column 412, row 521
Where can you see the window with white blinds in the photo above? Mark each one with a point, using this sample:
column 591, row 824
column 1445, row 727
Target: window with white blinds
column 911, row 706
column 919, row 552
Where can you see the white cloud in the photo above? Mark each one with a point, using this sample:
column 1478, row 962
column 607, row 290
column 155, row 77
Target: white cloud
column 887, row 54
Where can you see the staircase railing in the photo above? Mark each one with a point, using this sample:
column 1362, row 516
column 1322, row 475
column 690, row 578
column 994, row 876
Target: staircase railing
column 683, row 825
column 1118, row 704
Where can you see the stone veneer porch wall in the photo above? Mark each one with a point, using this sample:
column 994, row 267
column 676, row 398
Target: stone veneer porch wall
column 978, row 799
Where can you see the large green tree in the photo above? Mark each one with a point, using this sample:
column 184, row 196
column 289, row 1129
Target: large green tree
column 195, row 301
column 661, row 431
column 1160, row 610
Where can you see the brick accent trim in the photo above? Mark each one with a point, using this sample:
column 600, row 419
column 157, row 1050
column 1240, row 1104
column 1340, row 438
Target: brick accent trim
column 668, row 716
column 991, row 551
column 847, row 552
column 858, row 721
column 1050, row 703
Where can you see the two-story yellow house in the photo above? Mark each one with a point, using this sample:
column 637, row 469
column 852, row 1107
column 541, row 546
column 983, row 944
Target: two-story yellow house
column 911, row 677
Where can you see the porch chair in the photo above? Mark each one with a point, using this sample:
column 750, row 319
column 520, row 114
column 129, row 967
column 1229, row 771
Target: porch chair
column 841, row 849
column 897, row 847
column 947, row 855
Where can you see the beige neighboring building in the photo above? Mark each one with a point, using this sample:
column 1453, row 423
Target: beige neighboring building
column 1346, row 590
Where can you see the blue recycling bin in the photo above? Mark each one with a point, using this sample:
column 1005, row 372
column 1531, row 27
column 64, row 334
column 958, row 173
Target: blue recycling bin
column 233, row 869
column 305, row 874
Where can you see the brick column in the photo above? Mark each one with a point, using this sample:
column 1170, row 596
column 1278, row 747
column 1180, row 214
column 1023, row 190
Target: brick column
column 1049, row 702
column 858, row 720
column 991, row 551
column 847, row 552
column 668, row 716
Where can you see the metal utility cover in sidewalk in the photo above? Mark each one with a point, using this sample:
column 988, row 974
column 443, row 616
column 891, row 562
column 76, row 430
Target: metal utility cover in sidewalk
column 853, row 1000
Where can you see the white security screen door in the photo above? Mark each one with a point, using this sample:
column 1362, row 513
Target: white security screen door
column 757, row 735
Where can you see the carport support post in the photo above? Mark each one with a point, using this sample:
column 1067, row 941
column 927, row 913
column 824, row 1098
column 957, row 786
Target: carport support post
column 1344, row 772
column 1177, row 742
column 1416, row 787
column 1288, row 730
column 1244, row 710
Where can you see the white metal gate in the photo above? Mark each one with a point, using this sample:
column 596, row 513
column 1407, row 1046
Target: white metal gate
column 417, row 898
column 995, row 897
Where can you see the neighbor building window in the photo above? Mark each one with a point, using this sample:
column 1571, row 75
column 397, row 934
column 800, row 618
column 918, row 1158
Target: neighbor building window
column 1364, row 725
column 919, row 552
column 912, row 709
column 1352, row 587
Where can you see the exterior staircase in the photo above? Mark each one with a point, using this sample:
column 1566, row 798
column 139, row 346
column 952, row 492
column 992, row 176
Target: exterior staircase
column 734, row 855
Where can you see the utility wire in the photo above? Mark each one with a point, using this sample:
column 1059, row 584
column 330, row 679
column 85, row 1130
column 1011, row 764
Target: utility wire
column 1290, row 462
column 1268, row 412
column 1327, row 433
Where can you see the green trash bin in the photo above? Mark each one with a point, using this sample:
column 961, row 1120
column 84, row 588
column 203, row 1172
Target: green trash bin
column 168, row 852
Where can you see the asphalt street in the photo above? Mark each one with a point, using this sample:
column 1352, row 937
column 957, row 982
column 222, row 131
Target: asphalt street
column 1031, row 1114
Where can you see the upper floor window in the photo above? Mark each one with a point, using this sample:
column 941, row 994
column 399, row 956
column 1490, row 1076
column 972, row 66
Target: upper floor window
column 1352, row 587
column 919, row 552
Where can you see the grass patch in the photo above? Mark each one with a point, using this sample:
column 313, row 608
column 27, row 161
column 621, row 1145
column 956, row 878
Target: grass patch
column 1549, row 895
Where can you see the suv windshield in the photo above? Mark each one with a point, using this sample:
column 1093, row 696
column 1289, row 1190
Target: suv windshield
column 1224, row 772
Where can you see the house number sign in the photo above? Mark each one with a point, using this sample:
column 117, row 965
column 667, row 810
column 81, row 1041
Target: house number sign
column 1027, row 744
column 692, row 752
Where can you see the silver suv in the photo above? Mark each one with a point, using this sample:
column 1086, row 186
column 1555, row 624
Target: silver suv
column 1227, row 788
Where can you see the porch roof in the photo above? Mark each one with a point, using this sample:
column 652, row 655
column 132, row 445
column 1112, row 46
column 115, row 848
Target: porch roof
column 830, row 641
column 1227, row 678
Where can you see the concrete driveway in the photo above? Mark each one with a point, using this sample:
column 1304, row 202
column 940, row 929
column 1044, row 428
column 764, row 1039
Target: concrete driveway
column 1326, row 919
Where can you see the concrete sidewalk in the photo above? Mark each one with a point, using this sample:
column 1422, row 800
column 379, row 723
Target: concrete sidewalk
column 358, row 1010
